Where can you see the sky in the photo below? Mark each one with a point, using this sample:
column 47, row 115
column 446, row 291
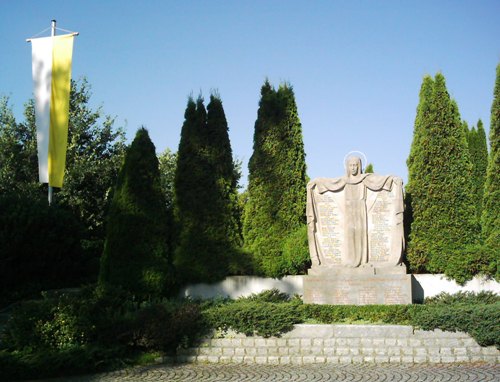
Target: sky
column 356, row 66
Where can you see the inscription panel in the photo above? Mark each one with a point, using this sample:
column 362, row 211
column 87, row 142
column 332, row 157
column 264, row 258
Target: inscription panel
column 358, row 290
column 352, row 224
column 330, row 229
column 380, row 225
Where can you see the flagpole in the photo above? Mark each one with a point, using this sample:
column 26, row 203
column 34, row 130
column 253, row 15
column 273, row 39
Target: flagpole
column 51, row 190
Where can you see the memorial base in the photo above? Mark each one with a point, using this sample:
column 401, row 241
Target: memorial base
column 358, row 286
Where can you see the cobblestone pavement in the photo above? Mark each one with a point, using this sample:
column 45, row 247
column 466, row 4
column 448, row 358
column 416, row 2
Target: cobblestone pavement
column 309, row 373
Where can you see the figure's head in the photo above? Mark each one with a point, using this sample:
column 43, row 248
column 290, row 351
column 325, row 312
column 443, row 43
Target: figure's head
column 353, row 167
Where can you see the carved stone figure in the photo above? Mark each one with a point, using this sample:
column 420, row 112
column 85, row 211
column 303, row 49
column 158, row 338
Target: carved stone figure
column 355, row 220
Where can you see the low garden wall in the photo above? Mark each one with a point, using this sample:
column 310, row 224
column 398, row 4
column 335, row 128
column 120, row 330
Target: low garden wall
column 424, row 285
column 333, row 344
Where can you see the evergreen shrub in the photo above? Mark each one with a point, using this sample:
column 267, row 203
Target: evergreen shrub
column 40, row 247
column 490, row 219
column 92, row 330
column 137, row 254
column 336, row 314
column 295, row 254
column 166, row 326
column 252, row 317
column 440, row 190
column 206, row 201
column 276, row 197
column 481, row 321
column 485, row 297
column 271, row 295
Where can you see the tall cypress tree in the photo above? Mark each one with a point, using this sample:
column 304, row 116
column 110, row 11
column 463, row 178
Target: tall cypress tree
column 478, row 150
column 277, row 180
column 226, row 210
column 417, row 259
column 439, row 185
column 136, row 252
column 491, row 205
column 205, row 195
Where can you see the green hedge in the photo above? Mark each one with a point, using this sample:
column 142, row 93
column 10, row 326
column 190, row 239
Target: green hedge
column 91, row 331
column 95, row 330
column 272, row 313
column 40, row 247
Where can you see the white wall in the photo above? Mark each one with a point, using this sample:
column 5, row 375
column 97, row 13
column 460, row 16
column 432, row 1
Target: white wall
column 435, row 284
column 424, row 285
column 237, row 286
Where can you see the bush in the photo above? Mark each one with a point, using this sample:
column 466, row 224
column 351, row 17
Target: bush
column 272, row 313
column 271, row 295
column 335, row 314
column 137, row 254
column 481, row 321
column 50, row 363
column 254, row 317
column 295, row 254
column 471, row 298
column 40, row 247
column 92, row 330
column 166, row 326
column 97, row 329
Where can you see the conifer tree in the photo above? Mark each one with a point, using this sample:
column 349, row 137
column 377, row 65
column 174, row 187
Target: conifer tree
column 491, row 204
column 478, row 151
column 136, row 252
column 276, row 201
column 167, row 164
column 369, row 169
column 417, row 259
column 225, row 177
column 205, row 194
column 439, row 187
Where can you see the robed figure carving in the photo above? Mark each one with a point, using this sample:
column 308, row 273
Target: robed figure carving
column 355, row 220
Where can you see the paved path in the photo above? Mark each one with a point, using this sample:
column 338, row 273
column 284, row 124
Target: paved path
column 306, row 373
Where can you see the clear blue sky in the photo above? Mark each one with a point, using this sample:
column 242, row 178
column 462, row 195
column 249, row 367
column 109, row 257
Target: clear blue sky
column 356, row 66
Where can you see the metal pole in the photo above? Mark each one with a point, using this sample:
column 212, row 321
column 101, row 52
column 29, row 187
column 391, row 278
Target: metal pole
column 51, row 191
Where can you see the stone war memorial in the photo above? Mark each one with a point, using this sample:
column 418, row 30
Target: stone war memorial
column 356, row 239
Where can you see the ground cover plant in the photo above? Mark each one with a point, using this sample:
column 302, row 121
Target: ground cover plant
column 98, row 329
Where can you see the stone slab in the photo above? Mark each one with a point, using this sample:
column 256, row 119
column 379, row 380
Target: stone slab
column 357, row 289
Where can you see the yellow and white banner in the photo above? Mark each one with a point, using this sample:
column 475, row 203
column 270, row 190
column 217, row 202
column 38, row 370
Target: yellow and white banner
column 51, row 68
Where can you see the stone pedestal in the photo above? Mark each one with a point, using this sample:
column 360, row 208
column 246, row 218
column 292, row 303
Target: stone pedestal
column 358, row 286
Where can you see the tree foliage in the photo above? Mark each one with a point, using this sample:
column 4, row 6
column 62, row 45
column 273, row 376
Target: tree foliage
column 137, row 255
column 95, row 151
column 491, row 201
column 18, row 153
column 40, row 247
column 440, row 184
column 168, row 162
column 478, row 151
column 206, row 200
column 93, row 158
column 276, row 202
